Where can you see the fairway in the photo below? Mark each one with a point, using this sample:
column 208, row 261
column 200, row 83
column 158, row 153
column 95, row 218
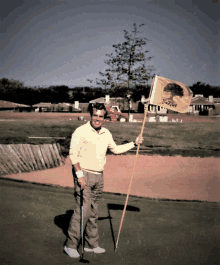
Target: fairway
column 155, row 232
column 195, row 136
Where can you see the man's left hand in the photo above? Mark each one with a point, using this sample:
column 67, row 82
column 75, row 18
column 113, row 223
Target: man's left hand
column 139, row 140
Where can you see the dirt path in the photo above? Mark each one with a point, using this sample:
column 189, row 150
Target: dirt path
column 181, row 178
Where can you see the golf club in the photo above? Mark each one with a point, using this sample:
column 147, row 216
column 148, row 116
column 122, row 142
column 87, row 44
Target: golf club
column 82, row 232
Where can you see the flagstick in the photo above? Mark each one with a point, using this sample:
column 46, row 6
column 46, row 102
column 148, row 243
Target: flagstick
column 135, row 160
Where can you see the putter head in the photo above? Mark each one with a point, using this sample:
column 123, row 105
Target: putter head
column 82, row 260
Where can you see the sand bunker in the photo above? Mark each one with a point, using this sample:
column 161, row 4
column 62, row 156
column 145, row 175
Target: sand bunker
column 181, row 178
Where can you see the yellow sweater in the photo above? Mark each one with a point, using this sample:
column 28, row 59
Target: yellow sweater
column 88, row 147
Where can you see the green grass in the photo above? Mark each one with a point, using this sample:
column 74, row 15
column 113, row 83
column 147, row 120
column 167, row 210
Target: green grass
column 162, row 138
column 35, row 219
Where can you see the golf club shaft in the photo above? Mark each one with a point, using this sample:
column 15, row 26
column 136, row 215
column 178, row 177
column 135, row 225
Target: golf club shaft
column 81, row 199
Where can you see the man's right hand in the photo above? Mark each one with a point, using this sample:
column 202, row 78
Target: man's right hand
column 80, row 177
column 82, row 182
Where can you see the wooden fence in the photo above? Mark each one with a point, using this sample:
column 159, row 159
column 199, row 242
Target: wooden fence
column 17, row 158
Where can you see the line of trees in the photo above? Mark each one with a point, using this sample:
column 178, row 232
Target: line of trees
column 15, row 91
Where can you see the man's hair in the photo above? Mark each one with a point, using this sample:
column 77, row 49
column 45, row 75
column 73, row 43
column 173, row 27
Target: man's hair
column 97, row 106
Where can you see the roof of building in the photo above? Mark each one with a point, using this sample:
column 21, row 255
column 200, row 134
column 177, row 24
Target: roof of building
column 103, row 100
column 43, row 105
column 8, row 104
column 200, row 100
column 216, row 100
column 61, row 105
column 99, row 100
column 64, row 104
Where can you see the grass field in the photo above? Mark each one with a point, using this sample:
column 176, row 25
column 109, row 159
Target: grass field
column 35, row 220
column 195, row 136
column 35, row 217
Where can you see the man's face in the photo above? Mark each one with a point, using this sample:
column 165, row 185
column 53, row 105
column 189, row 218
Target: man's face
column 97, row 118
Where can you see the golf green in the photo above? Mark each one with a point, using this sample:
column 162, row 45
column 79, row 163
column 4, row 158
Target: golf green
column 35, row 218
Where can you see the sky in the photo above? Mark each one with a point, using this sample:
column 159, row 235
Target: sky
column 45, row 42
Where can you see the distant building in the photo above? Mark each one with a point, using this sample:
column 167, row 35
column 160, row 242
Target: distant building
column 43, row 107
column 152, row 109
column 198, row 106
column 202, row 106
column 60, row 107
column 11, row 106
column 65, row 107
column 216, row 100
column 121, row 103
column 108, row 101
column 113, row 108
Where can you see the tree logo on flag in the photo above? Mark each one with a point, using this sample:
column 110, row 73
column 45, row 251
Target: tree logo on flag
column 172, row 94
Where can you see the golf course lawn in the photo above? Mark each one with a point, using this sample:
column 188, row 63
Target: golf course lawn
column 35, row 218
column 173, row 212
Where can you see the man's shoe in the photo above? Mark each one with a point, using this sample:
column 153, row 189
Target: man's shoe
column 73, row 253
column 97, row 250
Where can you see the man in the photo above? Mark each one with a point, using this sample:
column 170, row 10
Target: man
column 88, row 147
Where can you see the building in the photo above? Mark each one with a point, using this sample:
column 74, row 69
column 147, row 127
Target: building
column 43, row 107
column 67, row 107
column 198, row 106
column 11, row 106
column 60, row 107
column 109, row 101
column 119, row 102
column 216, row 100
column 202, row 106
column 113, row 108
column 152, row 109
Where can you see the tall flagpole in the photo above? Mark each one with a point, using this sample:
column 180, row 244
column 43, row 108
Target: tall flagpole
column 135, row 161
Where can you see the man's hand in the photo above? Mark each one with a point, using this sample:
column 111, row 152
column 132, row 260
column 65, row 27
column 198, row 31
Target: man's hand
column 82, row 182
column 139, row 140
column 81, row 179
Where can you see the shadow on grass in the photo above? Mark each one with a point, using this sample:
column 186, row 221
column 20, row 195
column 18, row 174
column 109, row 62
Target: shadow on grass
column 63, row 220
column 113, row 206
